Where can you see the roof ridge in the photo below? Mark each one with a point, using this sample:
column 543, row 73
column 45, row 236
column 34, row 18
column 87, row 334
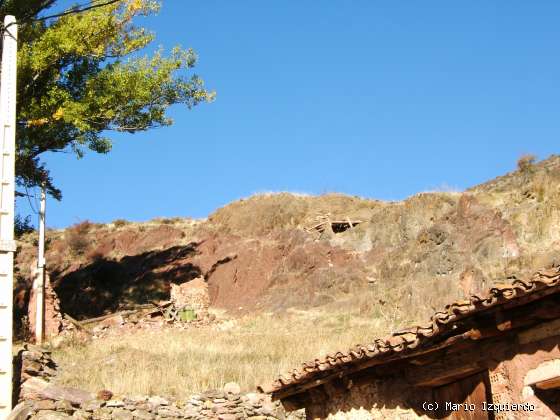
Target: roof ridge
column 412, row 337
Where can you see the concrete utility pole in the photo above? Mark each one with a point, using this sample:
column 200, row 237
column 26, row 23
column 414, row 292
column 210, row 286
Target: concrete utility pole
column 7, row 204
column 40, row 280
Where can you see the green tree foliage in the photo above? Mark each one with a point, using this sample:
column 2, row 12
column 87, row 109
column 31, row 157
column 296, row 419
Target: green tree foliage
column 82, row 75
column 22, row 225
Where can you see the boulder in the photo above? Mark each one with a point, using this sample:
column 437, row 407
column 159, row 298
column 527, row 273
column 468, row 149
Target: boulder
column 44, row 405
column 20, row 412
column 121, row 414
column 81, row 415
column 157, row 401
column 232, row 388
column 50, row 415
column 143, row 415
column 104, row 395
column 39, row 389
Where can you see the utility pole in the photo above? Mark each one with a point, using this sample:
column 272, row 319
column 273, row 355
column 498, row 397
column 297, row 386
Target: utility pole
column 40, row 280
column 7, row 204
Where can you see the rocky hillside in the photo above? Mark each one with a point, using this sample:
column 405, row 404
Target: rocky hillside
column 278, row 251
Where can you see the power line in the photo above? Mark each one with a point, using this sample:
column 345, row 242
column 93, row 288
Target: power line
column 78, row 9
column 29, row 199
column 75, row 10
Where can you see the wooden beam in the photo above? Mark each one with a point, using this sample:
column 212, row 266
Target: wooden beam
column 552, row 383
column 540, row 332
column 295, row 402
column 442, row 376
column 104, row 317
column 357, row 366
column 545, row 376
column 77, row 323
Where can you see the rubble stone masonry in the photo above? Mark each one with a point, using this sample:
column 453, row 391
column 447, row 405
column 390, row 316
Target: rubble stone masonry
column 42, row 399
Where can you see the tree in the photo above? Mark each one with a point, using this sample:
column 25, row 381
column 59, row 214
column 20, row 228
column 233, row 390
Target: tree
column 81, row 76
column 526, row 162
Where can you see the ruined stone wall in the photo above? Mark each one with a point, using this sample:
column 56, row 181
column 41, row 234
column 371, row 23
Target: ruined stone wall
column 509, row 378
column 376, row 399
column 41, row 398
column 192, row 295
column 209, row 405
column 53, row 319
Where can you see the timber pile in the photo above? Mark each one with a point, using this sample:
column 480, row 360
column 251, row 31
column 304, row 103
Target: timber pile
column 156, row 315
column 187, row 307
column 324, row 223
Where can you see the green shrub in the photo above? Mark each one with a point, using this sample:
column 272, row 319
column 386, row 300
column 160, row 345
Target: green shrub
column 22, row 226
column 187, row 315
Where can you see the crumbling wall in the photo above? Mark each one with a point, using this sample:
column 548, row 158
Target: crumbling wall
column 41, row 398
column 192, row 295
column 375, row 399
column 509, row 378
column 53, row 318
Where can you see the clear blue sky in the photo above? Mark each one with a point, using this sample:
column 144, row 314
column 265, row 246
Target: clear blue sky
column 370, row 98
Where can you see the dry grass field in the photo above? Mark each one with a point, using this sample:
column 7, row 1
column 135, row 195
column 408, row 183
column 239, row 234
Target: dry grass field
column 249, row 351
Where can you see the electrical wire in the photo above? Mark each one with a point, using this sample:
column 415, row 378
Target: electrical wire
column 29, row 200
column 78, row 9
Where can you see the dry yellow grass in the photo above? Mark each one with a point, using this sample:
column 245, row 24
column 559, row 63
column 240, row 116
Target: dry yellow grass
column 264, row 213
column 177, row 363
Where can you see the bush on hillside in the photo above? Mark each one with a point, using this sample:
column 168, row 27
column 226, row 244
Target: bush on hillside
column 120, row 222
column 76, row 237
column 525, row 163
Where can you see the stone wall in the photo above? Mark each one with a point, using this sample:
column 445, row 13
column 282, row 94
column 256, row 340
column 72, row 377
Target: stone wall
column 53, row 319
column 510, row 377
column 375, row 399
column 192, row 295
column 34, row 362
column 209, row 405
column 42, row 399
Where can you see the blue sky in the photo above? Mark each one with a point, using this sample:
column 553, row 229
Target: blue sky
column 369, row 98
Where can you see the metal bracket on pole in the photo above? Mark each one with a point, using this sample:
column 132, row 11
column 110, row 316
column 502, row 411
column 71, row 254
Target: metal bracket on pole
column 8, row 246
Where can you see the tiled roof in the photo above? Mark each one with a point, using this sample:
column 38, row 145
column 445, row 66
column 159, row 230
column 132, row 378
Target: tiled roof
column 416, row 337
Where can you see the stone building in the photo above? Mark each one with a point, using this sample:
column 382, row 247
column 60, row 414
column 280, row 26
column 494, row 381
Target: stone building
column 193, row 295
column 493, row 356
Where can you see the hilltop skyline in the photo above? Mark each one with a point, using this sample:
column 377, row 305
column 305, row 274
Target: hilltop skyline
column 369, row 99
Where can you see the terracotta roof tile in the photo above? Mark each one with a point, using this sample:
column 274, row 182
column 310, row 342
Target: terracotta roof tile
column 413, row 337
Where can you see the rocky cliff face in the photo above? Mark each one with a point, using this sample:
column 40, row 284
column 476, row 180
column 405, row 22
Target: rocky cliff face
column 273, row 252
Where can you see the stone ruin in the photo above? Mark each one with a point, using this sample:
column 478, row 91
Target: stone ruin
column 191, row 295
column 41, row 398
column 188, row 296
column 188, row 307
column 53, row 322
